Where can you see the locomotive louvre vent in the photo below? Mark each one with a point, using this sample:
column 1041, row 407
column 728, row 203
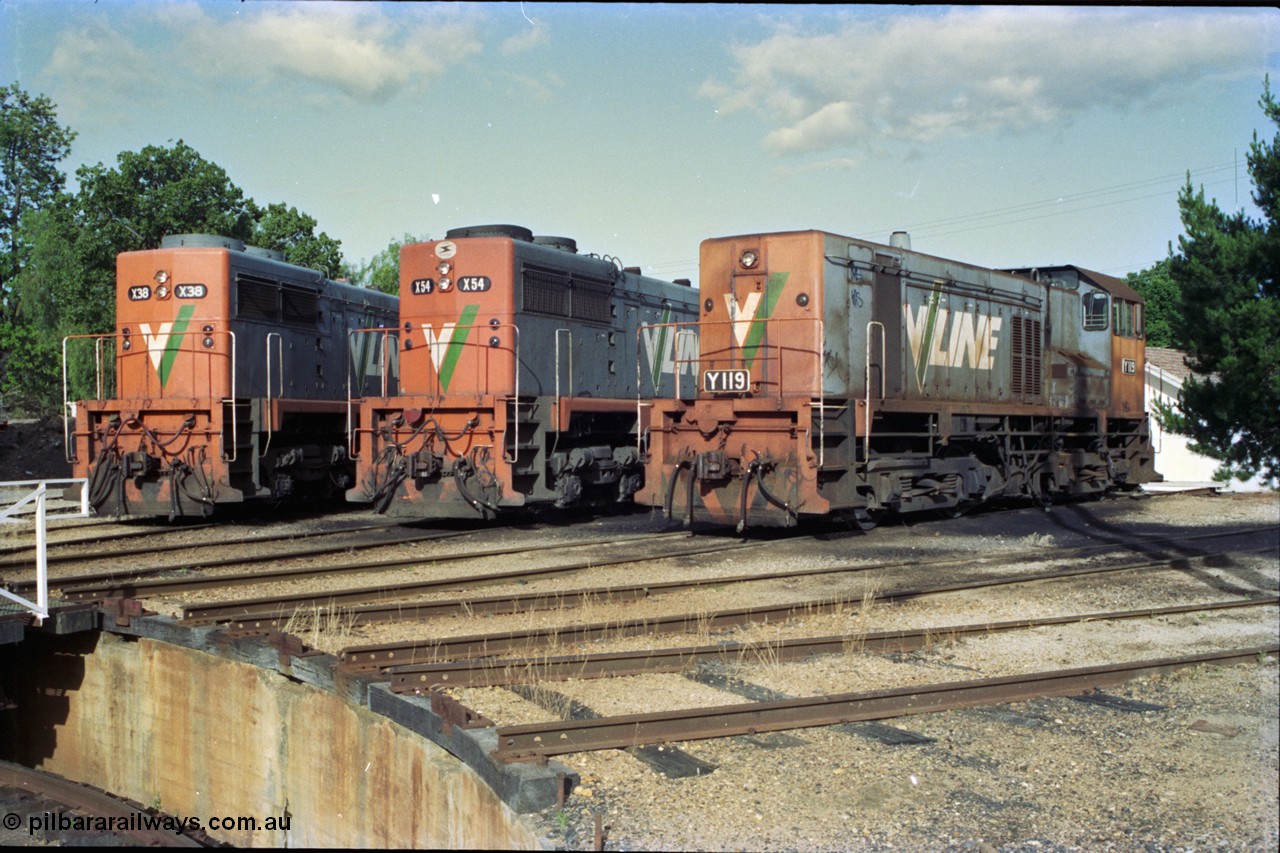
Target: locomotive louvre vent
column 257, row 298
column 545, row 292
column 1025, row 356
column 299, row 306
column 589, row 301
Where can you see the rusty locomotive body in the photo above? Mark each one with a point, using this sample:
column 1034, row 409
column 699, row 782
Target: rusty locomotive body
column 227, row 380
column 843, row 377
column 519, row 378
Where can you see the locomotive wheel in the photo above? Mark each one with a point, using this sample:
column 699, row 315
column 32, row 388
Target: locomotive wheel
column 1044, row 494
column 953, row 512
column 866, row 519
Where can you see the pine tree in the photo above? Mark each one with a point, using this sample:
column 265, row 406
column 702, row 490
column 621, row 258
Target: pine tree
column 1229, row 320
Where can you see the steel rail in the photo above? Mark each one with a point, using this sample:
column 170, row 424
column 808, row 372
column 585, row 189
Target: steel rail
column 10, row 562
column 539, row 741
column 193, row 546
column 83, row 800
column 492, row 673
column 274, row 609
column 283, row 606
column 520, row 602
column 164, row 586
column 121, row 579
column 378, row 656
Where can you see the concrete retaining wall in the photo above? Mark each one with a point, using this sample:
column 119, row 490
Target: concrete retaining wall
column 204, row 736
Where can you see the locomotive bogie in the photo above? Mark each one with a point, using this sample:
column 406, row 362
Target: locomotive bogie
column 227, row 380
column 842, row 377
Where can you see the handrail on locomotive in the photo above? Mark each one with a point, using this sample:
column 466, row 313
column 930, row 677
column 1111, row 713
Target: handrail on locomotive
column 738, row 358
column 148, row 392
column 484, row 371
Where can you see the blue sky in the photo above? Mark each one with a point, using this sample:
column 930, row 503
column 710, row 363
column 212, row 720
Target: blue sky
column 1002, row 136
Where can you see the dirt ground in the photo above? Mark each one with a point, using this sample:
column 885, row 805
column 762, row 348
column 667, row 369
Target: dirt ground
column 32, row 450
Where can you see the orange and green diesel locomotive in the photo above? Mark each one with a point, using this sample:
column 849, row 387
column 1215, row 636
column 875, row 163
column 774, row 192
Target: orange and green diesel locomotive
column 840, row 377
column 519, row 378
column 228, row 379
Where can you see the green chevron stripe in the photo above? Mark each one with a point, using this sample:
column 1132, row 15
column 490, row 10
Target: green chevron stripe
column 175, row 342
column 456, row 342
column 930, row 325
column 772, row 292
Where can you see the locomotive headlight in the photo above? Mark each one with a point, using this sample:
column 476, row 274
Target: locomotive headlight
column 749, row 259
column 494, row 341
column 162, row 292
column 444, row 267
column 445, row 283
column 208, row 343
column 162, row 277
column 126, row 344
column 208, row 337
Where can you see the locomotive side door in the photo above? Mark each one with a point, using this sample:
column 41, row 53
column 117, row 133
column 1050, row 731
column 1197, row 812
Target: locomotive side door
column 889, row 302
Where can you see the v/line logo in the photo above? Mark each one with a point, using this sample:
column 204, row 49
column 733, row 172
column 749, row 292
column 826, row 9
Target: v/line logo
column 665, row 345
column 446, row 347
column 163, row 345
column 939, row 338
column 748, row 329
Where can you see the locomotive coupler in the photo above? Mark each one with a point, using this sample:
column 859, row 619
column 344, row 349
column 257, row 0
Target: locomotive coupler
column 423, row 464
column 714, row 465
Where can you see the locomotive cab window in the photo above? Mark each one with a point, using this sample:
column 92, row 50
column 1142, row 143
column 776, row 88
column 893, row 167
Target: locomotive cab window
column 1127, row 319
column 1095, row 307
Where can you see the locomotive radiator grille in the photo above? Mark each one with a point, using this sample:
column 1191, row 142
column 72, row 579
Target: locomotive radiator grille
column 1026, row 338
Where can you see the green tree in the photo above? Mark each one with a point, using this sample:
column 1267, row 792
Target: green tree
column 1163, row 303
column 285, row 229
column 32, row 145
column 1226, row 270
column 382, row 271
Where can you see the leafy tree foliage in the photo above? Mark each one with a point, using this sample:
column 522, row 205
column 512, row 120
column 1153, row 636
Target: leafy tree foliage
column 382, row 271
column 1226, row 269
column 32, row 145
column 66, row 282
column 287, row 230
column 1163, row 303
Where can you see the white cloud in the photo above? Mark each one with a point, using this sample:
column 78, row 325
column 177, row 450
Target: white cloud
column 356, row 51
column 920, row 77
column 100, row 64
column 536, row 35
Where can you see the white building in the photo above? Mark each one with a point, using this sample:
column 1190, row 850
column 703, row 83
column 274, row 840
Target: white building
column 1166, row 371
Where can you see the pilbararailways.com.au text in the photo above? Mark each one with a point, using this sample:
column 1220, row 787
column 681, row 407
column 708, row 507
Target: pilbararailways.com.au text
column 142, row 822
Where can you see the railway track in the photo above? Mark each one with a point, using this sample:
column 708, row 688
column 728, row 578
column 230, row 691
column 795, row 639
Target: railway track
column 539, row 741
column 376, row 656
column 128, row 820
column 491, row 672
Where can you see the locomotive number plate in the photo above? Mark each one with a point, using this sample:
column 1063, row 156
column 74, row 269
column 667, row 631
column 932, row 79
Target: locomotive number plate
column 726, row 381
column 137, row 294
column 474, row 283
column 190, row 291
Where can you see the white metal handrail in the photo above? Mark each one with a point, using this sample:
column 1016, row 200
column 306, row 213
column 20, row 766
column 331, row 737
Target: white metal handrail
column 40, row 607
column 267, row 415
column 866, row 440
